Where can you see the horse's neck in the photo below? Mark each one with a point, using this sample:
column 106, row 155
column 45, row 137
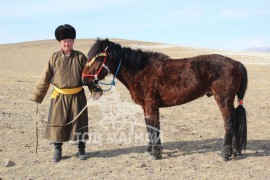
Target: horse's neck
column 125, row 77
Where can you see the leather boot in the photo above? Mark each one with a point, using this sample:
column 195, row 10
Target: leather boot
column 81, row 152
column 57, row 156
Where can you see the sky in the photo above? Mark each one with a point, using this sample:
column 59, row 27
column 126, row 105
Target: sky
column 224, row 24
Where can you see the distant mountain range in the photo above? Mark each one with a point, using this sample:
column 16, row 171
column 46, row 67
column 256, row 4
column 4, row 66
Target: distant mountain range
column 259, row 49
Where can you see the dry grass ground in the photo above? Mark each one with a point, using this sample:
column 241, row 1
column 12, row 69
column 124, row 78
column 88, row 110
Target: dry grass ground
column 192, row 133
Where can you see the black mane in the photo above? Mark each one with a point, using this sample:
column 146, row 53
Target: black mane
column 132, row 59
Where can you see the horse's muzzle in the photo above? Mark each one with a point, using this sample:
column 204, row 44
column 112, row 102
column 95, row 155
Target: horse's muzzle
column 85, row 80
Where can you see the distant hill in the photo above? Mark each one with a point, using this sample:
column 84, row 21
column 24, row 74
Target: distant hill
column 41, row 51
column 259, row 49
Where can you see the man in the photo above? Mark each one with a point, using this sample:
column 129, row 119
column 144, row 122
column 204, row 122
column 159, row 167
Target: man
column 64, row 71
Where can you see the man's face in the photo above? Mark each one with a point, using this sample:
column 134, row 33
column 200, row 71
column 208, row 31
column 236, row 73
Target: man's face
column 67, row 45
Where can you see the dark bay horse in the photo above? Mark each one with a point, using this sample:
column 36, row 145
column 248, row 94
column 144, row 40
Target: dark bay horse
column 155, row 80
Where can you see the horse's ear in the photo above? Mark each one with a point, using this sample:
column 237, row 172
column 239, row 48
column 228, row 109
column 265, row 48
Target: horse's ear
column 98, row 40
column 106, row 44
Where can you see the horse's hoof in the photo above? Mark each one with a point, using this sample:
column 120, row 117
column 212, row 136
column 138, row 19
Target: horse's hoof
column 154, row 157
column 146, row 153
column 236, row 152
column 225, row 158
column 234, row 155
column 226, row 152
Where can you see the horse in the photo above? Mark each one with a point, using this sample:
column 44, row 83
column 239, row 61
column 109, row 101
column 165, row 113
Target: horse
column 154, row 80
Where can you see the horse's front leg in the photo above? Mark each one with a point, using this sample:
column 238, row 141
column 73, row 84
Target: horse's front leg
column 153, row 128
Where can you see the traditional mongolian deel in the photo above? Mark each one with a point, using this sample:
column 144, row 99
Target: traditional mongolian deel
column 65, row 74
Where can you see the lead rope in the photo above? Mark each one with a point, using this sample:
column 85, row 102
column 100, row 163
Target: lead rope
column 55, row 125
column 38, row 115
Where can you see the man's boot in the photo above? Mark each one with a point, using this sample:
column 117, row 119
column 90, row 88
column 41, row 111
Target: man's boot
column 81, row 153
column 57, row 156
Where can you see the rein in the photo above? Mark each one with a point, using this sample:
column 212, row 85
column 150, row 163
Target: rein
column 112, row 83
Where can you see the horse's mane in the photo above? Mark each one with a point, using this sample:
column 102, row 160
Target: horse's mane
column 133, row 59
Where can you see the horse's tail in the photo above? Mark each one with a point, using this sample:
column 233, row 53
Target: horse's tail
column 241, row 122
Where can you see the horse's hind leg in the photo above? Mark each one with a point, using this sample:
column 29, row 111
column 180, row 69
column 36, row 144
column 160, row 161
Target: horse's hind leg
column 227, row 110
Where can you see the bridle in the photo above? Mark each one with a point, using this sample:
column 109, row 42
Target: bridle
column 91, row 61
column 96, row 81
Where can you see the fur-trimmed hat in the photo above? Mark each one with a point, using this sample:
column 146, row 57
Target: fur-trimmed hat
column 65, row 31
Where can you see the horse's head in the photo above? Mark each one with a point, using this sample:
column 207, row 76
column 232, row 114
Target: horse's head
column 101, row 61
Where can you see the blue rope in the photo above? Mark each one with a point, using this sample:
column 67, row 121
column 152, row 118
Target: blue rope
column 112, row 83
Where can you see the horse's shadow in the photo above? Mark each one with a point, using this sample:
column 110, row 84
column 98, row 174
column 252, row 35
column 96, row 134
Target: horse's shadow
column 255, row 148
column 66, row 157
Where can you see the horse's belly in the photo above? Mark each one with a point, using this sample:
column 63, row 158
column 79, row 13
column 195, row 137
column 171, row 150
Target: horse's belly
column 172, row 97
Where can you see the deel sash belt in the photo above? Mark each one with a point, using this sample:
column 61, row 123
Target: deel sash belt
column 58, row 91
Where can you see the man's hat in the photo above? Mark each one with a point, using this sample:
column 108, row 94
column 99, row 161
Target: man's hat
column 65, row 31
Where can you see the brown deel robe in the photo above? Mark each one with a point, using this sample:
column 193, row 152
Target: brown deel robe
column 64, row 72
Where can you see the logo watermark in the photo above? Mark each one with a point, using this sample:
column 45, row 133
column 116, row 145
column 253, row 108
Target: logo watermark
column 120, row 123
